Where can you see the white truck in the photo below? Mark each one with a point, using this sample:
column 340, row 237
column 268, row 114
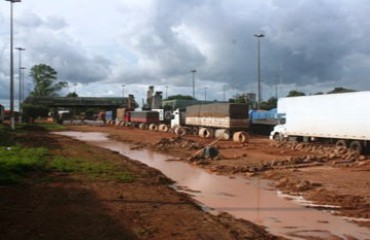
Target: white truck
column 342, row 118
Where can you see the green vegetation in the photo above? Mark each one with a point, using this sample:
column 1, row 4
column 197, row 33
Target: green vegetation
column 180, row 97
column 50, row 126
column 105, row 170
column 17, row 162
column 43, row 77
column 31, row 112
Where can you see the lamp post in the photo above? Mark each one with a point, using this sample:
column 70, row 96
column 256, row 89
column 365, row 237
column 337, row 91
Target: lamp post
column 12, row 123
column 166, row 91
column 193, row 71
column 259, row 99
column 20, row 82
column 205, row 93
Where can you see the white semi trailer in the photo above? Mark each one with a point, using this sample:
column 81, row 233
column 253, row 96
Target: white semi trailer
column 342, row 118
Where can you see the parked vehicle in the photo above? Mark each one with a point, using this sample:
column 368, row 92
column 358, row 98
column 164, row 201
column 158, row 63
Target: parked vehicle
column 219, row 120
column 343, row 119
column 263, row 121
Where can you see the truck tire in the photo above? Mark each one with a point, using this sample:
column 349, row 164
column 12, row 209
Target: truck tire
column 180, row 131
column 206, row 132
column 356, row 146
column 143, row 126
column 240, row 137
column 223, row 134
column 163, row 128
column 341, row 143
column 153, row 127
column 278, row 137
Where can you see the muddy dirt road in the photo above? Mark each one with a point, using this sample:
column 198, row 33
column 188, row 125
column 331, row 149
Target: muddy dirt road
column 322, row 174
column 74, row 205
column 71, row 206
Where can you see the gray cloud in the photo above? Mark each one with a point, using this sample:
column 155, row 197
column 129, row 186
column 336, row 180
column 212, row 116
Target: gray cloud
column 46, row 42
column 310, row 41
column 314, row 45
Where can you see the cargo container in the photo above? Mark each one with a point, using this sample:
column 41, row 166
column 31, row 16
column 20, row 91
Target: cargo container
column 263, row 121
column 146, row 117
column 209, row 120
column 263, row 117
column 342, row 118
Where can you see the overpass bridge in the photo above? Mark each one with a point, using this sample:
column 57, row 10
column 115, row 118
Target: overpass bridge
column 77, row 102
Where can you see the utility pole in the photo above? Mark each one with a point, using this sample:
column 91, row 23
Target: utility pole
column 193, row 71
column 259, row 99
column 12, row 120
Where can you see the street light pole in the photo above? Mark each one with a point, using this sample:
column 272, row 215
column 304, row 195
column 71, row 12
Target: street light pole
column 20, row 82
column 259, row 36
column 205, row 94
column 12, row 122
column 193, row 71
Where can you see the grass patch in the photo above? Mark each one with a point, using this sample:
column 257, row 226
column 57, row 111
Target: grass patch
column 105, row 170
column 16, row 162
column 50, row 126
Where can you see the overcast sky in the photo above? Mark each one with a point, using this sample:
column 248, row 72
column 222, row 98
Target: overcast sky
column 99, row 46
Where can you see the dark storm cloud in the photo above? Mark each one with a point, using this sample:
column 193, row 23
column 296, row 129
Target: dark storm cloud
column 311, row 44
column 307, row 42
column 47, row 43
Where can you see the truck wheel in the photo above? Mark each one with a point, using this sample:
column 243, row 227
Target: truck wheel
column 278, row 137
column 142, row 126
column 341, row 143
column 223, row 134
column 240, row 137
column 205, row 132
column 356, row 146
column 194, row 131
column 179, row 131
column 153, row 127
column 163, row 128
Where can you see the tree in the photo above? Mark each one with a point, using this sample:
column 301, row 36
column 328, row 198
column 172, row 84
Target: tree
column 270, row 104
column 340, row 90
column 72, row 94
column 31, row 112
column 44, row 76
column 295, row 93
column 180, row 97
column 240, row 98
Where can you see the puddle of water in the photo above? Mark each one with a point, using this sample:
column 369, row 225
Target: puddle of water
column 250, row 199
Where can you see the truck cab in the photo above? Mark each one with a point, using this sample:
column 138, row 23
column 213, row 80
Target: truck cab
column 178, row 118
column 279, row 132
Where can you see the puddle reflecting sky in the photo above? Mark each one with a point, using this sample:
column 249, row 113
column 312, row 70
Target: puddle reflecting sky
column 250, row 199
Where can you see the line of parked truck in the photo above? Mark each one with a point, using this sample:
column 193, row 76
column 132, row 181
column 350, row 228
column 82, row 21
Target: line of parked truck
column 221, row 120
column 342, row 119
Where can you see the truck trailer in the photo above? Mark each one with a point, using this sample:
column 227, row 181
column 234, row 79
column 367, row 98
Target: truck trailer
column 342, row 118
column 216, row 119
